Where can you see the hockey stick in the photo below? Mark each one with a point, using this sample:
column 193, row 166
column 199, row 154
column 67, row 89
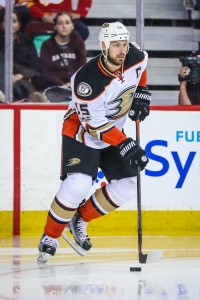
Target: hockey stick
column 155, row 256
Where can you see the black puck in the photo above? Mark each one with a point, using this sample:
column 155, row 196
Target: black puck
column 135, row 269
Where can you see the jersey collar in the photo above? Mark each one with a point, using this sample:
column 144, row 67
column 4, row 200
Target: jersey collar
column 103, row 68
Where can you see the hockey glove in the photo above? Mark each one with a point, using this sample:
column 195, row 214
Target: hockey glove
column 133, row 153
column 140, row 105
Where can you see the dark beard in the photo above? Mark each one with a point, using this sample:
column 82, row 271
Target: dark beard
column 113, row 62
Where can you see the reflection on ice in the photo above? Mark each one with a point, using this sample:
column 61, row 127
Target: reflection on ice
column 177, row 279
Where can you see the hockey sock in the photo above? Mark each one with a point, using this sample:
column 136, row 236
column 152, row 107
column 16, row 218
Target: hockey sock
column 98, row 205
column 58, row 218
column 53, row 228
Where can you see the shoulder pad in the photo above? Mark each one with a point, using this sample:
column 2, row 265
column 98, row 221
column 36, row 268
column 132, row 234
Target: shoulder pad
column 136, row 45
column 89, row 81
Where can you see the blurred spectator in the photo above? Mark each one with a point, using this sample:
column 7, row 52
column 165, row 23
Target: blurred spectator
column 198, row 4
column 45, row 10
column 2, row 97
column 62, row 54
column 21, row 9
column 189, row 91
column 35, row 97
column 189, row 4
column 2, row 4
column 26, row 64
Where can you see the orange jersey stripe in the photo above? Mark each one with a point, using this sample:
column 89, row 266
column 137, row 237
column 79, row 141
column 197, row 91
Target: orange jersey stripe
column 71, row 125
column 113, row 137
column 143, row 79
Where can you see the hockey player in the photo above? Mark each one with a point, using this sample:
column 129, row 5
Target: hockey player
column 104, row 91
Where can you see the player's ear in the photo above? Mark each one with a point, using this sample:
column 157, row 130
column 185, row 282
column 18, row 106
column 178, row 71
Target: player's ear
column 103, row 46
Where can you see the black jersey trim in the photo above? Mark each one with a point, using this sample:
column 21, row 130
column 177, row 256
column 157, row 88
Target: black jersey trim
column 95, row 206
column 105, row 193
column 101, row 134
column 103, row 66
column 97, row 76
column 64, row 207
column 56, row 220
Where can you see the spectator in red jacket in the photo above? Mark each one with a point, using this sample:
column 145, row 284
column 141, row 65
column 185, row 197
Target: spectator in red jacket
column 45, row 10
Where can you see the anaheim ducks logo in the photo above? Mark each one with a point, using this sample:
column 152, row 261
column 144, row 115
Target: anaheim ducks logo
column 84, row 89
column 120, row 106
column 105, row 25
column 73, row 161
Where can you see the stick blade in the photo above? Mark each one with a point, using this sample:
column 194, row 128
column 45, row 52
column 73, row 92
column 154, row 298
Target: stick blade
column 142, row 258
column 152, row 257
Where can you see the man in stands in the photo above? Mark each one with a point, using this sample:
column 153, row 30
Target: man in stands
column 189, row 86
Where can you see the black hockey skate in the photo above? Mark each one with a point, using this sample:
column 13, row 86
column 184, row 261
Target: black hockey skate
column 77, row 227
column 47, row 247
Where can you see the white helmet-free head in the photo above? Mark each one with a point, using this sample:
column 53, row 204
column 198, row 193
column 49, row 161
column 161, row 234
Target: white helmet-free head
column 115, row 31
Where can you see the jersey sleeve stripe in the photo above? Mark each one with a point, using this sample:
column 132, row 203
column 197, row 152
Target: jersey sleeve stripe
column 143, row 79
column 95, row 131
column 106, row 133
column 71, row 126
column 113, row 136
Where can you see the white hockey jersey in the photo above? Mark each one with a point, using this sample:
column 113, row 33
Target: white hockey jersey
column 101, row 100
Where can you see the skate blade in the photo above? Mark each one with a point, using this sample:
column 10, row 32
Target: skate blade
column 42, row 257
column 73, row 244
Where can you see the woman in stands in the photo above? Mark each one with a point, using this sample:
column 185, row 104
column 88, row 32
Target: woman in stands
column 26, row 64
column 62, row 54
